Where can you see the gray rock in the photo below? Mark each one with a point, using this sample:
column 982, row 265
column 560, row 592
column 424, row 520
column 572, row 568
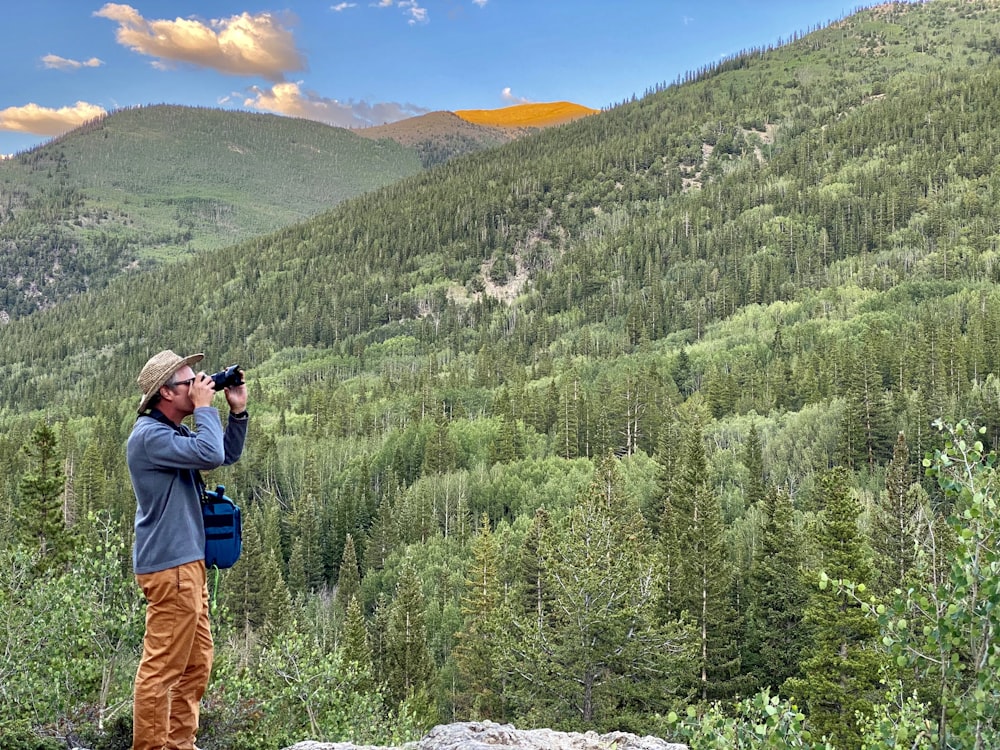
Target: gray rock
column 486, row 735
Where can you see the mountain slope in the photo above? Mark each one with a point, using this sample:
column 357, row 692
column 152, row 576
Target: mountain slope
column 534, row 115
column 439, row 136
column 840, row 184
column 796, row 250
column 153, row 183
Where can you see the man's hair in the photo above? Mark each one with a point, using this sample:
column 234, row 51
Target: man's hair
column 155, row 399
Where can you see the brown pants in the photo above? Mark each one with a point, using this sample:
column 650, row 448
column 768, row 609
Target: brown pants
column 176, row 658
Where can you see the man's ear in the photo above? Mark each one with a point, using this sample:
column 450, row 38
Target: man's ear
column 166, row 393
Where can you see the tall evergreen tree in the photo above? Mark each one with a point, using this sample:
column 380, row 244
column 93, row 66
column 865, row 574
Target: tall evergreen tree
column 896, row 525
column 841, row 667
column 408, row 663
column 698, row 576
column 481, row 692
column 532, row 590
column 597, row 638
column 356, row 645
column 440, row 452
column 570, row 405
column 777, row 597
column 349, row 578
column 384, row 533
column 91, row 481
column 864, row 432
column 753, row 460
column 41, row 518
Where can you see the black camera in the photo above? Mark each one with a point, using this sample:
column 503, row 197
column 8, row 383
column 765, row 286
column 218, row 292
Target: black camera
column 227, row 378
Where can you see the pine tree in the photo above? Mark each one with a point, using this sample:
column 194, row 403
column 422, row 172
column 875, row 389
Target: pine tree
column 356, row 645
column 41, row 520
column 504, row 448
column 568, row 428
column 255, row 593
column 532, row 591
column 864, row 432
column 308, row 530
column 91, row 482
column 895, row 527
column 277, row 601
column 349, row 579
column 298, row 584
column 697, row 575
column 841, row 665
column 753, row 460
column 480, row 693
column 777, row 599
column 597, row 638
column 440, row 453
column 244, row 591
column 409, row 667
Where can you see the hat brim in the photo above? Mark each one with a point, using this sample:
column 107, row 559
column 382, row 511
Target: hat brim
column 184, row 362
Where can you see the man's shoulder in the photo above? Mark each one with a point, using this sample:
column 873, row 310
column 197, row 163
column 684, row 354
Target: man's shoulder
column 147, row 425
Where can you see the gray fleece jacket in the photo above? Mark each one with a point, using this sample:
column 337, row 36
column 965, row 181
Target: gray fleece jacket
column 163, row 460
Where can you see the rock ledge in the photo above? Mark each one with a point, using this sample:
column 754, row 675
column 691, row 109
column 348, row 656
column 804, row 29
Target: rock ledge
column 486, row 735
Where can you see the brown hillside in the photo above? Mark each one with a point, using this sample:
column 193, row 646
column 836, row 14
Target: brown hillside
column 527, row 115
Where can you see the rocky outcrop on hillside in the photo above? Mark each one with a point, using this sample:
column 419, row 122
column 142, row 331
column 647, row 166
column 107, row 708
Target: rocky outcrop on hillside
column 486, row 735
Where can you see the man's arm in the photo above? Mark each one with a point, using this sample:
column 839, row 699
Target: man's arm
column 236, row 426
column 203, row 450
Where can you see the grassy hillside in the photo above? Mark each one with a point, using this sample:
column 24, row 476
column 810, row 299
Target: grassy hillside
column 156, row 183
column 768, row 269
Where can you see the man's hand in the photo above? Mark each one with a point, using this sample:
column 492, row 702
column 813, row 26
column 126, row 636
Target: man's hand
column 201, row 390
column 237, row 396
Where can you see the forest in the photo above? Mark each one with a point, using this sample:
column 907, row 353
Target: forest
column 680, row 419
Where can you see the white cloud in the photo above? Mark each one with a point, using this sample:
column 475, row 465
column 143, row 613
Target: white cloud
column 508, row 96
column 240, row 45
column 37, row 120
column 480, row 3
column 411, row 8
column 343, row 6
column 414, row 11
column 61, row 63
column 289, row 99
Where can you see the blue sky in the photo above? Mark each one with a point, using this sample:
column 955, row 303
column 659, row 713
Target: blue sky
column 362, row 62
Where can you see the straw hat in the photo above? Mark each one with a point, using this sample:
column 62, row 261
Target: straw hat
column 157, row 371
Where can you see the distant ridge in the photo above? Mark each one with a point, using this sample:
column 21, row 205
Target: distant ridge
column 439, row 136
column 415, row 130
column 541, row 115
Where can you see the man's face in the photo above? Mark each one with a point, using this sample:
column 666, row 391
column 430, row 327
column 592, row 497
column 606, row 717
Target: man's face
column 181, row 389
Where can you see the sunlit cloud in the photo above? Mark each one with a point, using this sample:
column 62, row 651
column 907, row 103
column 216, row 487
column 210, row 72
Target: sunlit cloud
column 343, row 6
column 508, row 96
column 250, row 45
column 37, row 120
column 61, row 63
column 288, row 99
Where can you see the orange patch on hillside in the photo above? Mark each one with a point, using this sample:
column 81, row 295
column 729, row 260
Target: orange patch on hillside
column 527, row 115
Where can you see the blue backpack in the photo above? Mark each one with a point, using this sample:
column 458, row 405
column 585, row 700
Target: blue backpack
column 223, row 528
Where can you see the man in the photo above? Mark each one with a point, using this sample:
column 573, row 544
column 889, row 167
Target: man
column 164, row 458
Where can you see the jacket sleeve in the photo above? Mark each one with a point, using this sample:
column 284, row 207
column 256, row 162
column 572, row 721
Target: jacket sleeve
column 166, row 448
column 235, row 437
